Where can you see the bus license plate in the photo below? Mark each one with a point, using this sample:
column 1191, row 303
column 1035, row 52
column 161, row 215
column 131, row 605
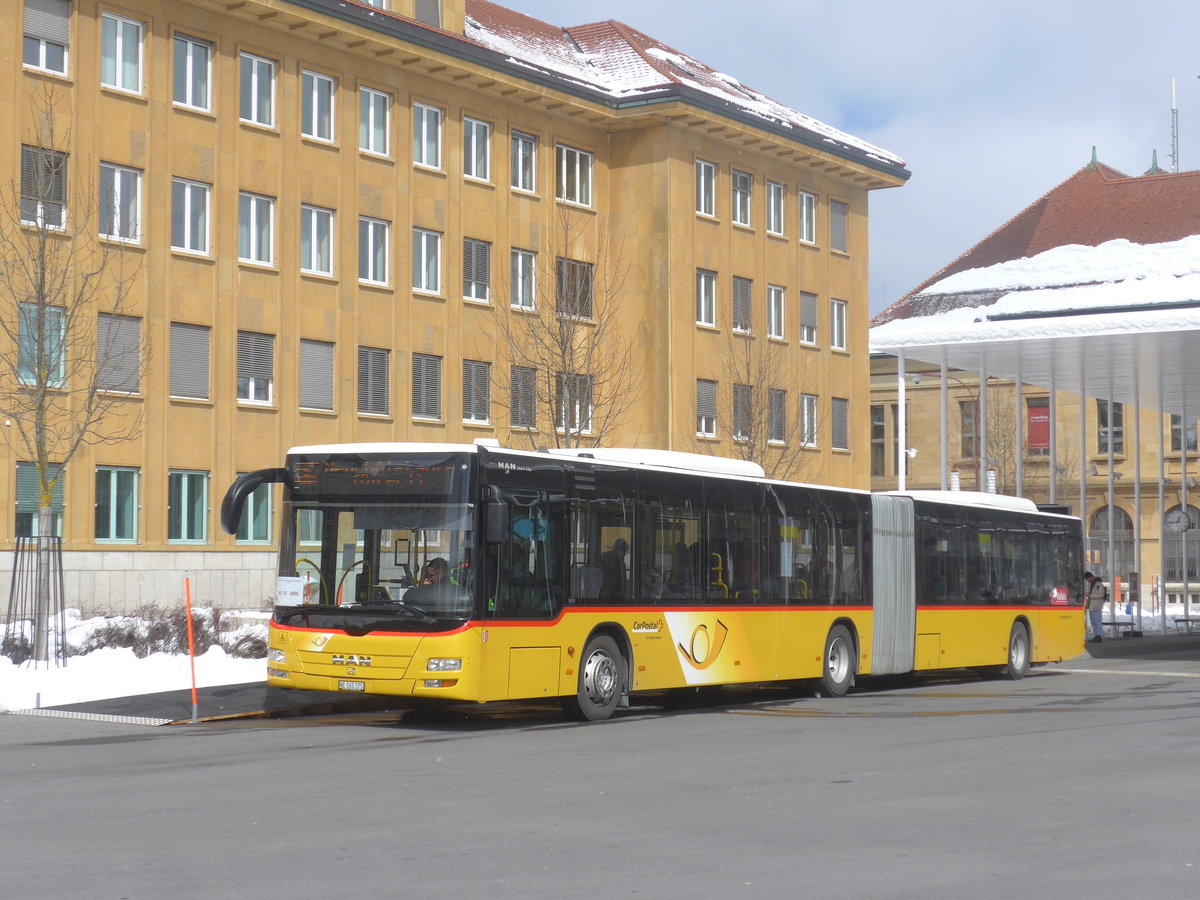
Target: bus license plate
column 352, row 685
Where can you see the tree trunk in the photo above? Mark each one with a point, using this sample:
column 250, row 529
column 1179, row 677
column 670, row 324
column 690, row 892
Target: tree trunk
column 41, row 622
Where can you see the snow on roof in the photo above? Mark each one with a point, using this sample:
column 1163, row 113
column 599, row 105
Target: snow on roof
column 1091, row 289
column 624, row 63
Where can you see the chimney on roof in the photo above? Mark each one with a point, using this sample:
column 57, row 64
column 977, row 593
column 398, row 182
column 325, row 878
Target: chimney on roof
column 1154, row 169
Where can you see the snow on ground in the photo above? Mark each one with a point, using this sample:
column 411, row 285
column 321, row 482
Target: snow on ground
column 117, row 672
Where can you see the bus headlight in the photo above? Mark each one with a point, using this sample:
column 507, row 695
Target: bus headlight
column 274, row 654
column 444, row 665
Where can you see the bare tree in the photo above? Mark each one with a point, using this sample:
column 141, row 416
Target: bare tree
column 71, row 354
column 759, row 404
column 567, row 375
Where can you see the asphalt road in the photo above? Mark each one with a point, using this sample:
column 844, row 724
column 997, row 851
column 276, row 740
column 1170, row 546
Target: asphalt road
column 1081, row 781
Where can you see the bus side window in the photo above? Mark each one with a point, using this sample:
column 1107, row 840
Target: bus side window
column 526, row 570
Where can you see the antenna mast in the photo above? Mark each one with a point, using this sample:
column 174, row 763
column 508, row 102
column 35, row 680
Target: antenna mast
column 1174, row 130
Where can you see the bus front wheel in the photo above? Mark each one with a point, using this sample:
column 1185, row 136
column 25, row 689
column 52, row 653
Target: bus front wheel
column 837, row 670
column 601, row 681
column 1018, row 653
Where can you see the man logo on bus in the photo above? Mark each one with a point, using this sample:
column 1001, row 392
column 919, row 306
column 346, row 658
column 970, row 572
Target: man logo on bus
column 704, row 649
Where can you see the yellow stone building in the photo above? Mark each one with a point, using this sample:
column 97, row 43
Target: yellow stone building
column 337, row 214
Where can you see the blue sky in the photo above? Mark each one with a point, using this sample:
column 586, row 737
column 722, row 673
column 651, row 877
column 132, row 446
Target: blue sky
column 990, row 106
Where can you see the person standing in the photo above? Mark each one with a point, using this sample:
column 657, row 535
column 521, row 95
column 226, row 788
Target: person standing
column 1094, row 599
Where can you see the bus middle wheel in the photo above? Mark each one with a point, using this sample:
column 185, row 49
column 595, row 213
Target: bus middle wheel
column 837, row 668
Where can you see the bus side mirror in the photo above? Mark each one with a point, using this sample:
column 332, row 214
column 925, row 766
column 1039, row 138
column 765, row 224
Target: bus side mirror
column 235, row 497
column 495, row 526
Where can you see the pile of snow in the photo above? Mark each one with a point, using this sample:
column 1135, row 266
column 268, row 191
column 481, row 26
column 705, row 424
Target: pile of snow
column 118, row 672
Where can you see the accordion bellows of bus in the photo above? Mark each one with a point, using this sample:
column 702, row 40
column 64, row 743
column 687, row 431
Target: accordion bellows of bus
column 451, row 573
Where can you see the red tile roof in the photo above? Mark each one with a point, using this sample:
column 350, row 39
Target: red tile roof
column 1094, row 205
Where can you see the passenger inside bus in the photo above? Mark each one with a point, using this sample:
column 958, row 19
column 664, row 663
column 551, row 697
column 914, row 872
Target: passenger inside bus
column 612, row 569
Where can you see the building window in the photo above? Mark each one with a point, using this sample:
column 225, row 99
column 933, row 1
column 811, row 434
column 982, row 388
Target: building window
column 373, row 394
column 256, row 228
column 776, row 415
column 574, row 183
column 373, row 250
column 808, row 217
column 254, row 527
column 522, row 397
column 573, row 402
column 120, row 202
column 878, row 441
column 316, row 374
column 838, row 215
column 190, row 355
column 477, row 269
column 187, row 507
column 743, row 185
column 967, row 442
column 706, row 188
column 192, row 76
column 477, row 391
column 116, row 504
column 776, row 197
column 743, row 406
column 189, row 215
column 776, row 307
column 257, row 90
column 742, row 290
column 1110, row 426
column 427, row 136
column 43, row 188
column 706, row 297
column 316, row 240
column 706, row 408
column 41, row 344
column 524, row 162
column 427, row 261
column 808, row 420
column 808, row 318
column 255, row 367
column 524, row 270
column 316, row 116
column 1177, row 436
column 119, row 353
column 426, row 386
column 120, row 53
column 839, row 423
column 837, row 324
column 374, row 121
column 47, row 35
column 573, row 288
column 29, row 499
column 1037, row 426
column 477, row 149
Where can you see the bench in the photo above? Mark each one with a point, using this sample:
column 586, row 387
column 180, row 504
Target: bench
column 1131, row 629
column 1186, row 623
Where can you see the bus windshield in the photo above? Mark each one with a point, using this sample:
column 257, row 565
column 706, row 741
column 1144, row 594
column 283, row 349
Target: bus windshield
column 414, row 557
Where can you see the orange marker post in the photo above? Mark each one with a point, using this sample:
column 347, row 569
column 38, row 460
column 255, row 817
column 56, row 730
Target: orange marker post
column 187, row 593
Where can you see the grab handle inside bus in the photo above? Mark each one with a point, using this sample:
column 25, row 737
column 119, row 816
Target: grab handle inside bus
column 235, row 497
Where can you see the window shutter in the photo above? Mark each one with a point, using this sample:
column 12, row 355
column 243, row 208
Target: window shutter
column 837, row 224
column 426, row 386
column 706, row 397
column 839, row 426
column 372, row 380
column 476, row 390
column 27, row 487
column 43, row 175
column 189, row 360
column 742, row 288
column 522, row 397
column 49, row 20
column 776, row 414
column 255, row 355
column 316, row 374
column 119, row 352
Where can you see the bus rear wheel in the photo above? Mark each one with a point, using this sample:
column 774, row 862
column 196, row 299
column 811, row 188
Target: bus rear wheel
column 601, row 681
column 1017, row 666
column 837, row 670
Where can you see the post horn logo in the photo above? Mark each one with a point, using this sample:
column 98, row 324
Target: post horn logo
column 704, row 648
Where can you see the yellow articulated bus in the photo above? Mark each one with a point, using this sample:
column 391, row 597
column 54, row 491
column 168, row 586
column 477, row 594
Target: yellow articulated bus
column 452, row 572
